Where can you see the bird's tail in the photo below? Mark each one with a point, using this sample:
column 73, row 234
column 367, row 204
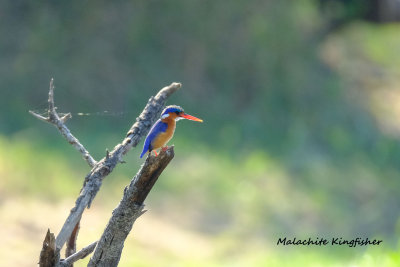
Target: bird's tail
column 146, row 148
column 144, row 152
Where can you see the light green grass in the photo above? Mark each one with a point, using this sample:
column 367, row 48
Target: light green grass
column 207, row 209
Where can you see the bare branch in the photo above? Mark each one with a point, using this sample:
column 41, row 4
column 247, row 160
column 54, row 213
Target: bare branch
column 106, row 165
column 111, row 243
column 40, row 117
column 78, row 255
column 52, row 109
column 58, row 122
column 66, row 117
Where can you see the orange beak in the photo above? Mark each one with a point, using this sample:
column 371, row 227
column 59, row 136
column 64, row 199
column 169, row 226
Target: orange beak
column 190, row 117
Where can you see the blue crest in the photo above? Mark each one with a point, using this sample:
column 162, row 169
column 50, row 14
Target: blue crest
column 172, row 108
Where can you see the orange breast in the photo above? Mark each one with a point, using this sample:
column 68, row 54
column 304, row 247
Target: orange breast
column 163, row 138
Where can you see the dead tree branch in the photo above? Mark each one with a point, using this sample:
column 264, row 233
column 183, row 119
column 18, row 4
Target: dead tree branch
column 59, row 123
column 105, row 166
column 111, row 243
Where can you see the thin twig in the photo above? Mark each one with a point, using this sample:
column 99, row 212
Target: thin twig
column 59, row 123
column 78, row 255
column 51, row 109
column 40, row 117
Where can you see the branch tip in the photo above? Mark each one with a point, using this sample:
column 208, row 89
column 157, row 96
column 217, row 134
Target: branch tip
column 178, row 85
column 38, row 116
column 51, row 97
column 48, row 254
column 59, row 123
column 66, row 117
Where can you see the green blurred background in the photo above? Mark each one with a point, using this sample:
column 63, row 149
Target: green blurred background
column 301, row 135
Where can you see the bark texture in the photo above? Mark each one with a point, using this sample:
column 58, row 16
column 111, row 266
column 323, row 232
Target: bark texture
column 109, row 249
column 48, row 254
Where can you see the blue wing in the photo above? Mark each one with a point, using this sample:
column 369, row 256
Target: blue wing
column 158, row 127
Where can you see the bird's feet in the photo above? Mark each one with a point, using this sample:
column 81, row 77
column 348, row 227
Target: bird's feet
column 162, row 149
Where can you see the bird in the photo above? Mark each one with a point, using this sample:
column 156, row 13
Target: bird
column 164, row 128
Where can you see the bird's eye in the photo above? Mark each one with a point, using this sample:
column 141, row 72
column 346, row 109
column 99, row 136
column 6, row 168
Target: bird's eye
column 177, row 112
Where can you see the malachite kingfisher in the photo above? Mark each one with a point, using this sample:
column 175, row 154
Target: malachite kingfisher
column 164, row 128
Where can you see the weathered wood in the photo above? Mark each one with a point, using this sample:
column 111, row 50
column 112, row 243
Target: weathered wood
column 68, row 262
column 48, row 254
column 109, row 249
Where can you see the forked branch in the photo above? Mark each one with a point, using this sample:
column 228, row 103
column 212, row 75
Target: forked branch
column 59, row 123
column 102, row 168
